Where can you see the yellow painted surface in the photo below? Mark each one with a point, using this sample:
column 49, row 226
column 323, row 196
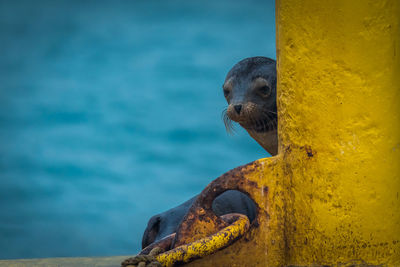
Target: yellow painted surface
column 205, row 246
column 264, row 243
column 339, row 99
column 332, row 194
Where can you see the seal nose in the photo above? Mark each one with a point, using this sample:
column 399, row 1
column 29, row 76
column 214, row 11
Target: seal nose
column 238, row 108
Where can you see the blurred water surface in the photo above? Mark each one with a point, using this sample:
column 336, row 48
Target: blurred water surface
column 110, row 113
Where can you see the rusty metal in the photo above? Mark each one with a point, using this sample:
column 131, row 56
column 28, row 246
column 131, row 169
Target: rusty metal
column 201, row 232
column 200, row 221
column 207, row 245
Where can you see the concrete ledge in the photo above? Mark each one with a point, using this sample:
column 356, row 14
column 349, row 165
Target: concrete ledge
column 114, row 261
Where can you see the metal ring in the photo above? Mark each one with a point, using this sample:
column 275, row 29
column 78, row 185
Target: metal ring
column 207, row 245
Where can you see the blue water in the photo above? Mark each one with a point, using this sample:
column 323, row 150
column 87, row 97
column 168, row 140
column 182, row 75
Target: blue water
column 110, row 112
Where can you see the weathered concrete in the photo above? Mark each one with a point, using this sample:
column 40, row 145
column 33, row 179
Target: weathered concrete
column 67, row 262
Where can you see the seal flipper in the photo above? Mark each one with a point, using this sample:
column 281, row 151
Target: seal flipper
column 152, row 230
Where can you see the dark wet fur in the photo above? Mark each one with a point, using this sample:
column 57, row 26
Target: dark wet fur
column 247, row 65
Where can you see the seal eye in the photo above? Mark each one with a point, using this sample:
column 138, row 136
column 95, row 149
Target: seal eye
column 226, row 92
column 264, row 91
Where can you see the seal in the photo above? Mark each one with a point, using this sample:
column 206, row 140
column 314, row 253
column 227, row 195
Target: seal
column 250, row 90
column 166, row 223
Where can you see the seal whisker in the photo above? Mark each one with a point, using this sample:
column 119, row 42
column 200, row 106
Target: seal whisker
column 271, row 116
column 270, row 125
column 270, row 111
column 259, row 123
column 266, row 126
column 263, row 124
column 271, row 121
column 252, row 119
column 223, row 113
column 227, row 122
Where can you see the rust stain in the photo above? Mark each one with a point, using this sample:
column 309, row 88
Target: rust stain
column 309, row 151
column 201, row 221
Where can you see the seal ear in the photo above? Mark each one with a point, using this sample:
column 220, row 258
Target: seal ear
column 151, row 232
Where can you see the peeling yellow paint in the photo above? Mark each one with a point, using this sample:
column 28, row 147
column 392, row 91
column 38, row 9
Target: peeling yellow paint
column 344, row 104
column 205, row 246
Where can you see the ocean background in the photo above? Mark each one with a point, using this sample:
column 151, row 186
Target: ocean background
column 110, row 112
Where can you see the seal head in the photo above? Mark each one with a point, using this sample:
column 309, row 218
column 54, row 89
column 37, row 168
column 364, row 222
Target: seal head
column 250, row 90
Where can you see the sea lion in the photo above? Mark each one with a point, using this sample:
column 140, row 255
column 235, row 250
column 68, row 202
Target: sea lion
column 250, row 90
column 166, row 223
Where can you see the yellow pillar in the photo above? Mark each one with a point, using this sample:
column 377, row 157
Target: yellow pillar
column 339, row 107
